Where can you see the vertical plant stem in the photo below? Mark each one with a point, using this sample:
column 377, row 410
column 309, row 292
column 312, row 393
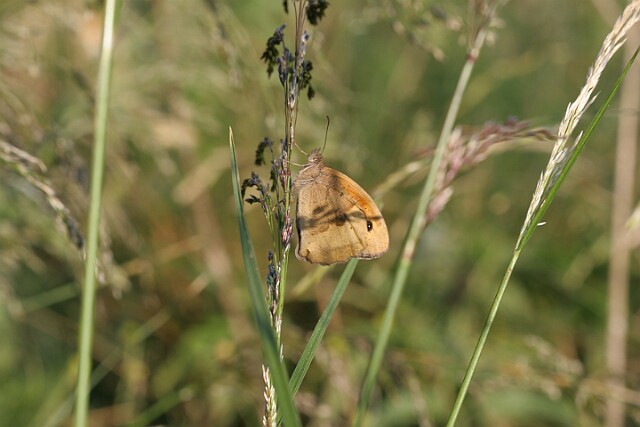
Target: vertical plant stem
column 619, row 252
column 531, row 222
column 271, row 350
column 558, row 168
column 281, row 246
column 417, row 226
column 477, row 352
column 97, row 172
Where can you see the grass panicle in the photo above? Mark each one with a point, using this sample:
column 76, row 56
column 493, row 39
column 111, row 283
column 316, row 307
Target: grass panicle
column 561, row 160
column 33, row 170
column 294, row 73
column 467, row 148
column 565, row 150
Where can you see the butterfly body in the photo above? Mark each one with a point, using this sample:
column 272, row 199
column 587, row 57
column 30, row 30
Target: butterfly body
column 336, row 219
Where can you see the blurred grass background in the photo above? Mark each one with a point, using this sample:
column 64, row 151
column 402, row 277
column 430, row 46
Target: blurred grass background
column 175, row 343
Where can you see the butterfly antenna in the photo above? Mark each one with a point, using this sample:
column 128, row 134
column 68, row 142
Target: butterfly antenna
column 326, row 132
column 295, row 144
column 301, row 150
column 323, row 145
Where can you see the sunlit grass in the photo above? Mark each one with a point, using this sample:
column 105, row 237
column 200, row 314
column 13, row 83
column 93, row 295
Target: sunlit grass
column 176, row 341
column 95, row 203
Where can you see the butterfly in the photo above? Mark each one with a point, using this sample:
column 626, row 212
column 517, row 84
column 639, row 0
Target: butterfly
column 336, row 219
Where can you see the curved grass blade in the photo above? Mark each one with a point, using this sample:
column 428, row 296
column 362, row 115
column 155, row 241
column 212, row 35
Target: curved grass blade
column 524, row 237
column 321, row 327
column 258, row 301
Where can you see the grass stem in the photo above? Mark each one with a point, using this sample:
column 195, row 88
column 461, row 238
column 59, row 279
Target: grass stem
column 417, row 225
column 556, row 171
column 619, row 252
column 97, row 172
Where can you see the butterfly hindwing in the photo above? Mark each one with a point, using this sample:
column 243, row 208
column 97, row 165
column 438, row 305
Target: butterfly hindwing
column 336, row 219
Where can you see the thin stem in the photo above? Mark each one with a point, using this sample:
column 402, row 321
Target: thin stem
column 560, row 169
column 417, row 224
column 619, row 251
column 282, row 213
column 477, row 352
column 89, row 291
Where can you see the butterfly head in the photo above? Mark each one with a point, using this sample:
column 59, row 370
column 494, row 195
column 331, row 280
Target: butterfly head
column 315, row 156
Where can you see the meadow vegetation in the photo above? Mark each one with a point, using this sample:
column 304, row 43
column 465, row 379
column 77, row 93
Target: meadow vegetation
column 175, row 342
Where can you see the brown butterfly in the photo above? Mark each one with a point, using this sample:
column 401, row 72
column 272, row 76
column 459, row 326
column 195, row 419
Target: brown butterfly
column 336, row 219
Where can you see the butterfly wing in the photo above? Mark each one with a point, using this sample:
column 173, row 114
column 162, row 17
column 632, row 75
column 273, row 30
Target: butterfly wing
column 336, row 219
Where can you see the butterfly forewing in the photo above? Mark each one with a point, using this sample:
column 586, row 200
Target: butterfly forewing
column 336, row 219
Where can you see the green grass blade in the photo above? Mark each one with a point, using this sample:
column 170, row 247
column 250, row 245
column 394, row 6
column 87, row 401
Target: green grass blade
column 477, row 352
column 97, row 172
column 269, row 344
column 164, row 404
column 523, row 239
column 415, row 230
column 321, row 327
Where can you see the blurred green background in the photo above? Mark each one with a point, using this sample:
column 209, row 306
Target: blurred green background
column 175, row 342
